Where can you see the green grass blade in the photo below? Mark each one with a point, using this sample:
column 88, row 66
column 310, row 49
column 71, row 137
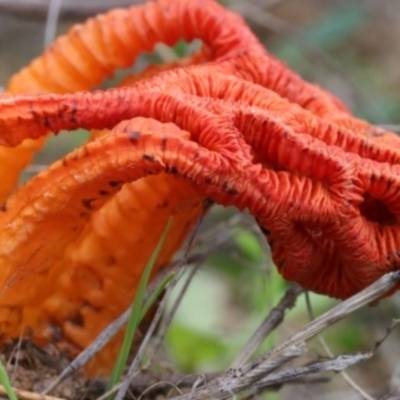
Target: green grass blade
column 137, row 311
column 158, row 290
column 5, row 381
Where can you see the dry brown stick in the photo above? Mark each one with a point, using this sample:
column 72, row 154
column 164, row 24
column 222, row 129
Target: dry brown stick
column 240, row 379
column 330, row 354
column 395, row 322
column 338, row 364
column 272, row 382
column 219, row 388
column 164, row 381
column 16, row 350
column 343, row 309
column 26, row 395
column 273, row 319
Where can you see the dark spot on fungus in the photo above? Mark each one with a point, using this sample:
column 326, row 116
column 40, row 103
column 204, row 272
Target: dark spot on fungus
column 76, row 319
column 285, row 134
column 148, row 157
column 227, row 189
column 87, row 203
column 46, row 121
column 164, row 204
column 103, row 192
column 134, row 136
column 72, row 117
column 114, row 183
column 3, row 207
column 164, row 144
column 171, row 170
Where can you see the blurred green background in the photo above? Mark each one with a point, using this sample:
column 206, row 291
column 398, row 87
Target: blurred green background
column 352, row 49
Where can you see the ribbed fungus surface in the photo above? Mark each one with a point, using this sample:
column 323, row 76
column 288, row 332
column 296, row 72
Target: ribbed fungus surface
column 231, row 124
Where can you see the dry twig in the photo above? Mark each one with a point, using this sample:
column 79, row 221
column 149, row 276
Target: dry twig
column 328, row 351
column 254, row 374
column 271, row 322
column 26, row 395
